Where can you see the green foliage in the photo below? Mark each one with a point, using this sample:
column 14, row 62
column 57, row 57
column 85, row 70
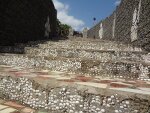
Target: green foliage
column 62, row 29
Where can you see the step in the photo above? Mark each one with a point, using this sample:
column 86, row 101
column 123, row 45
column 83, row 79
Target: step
column 58, row 92
column 90, row 45
column 118, row 69
column 12, row 49
column 7, row 106
column 102, row 55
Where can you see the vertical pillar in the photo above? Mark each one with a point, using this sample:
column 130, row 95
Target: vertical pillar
column 71, row 31
column 85, row 30
column 101, row 31
column 47, row 28
column 114, row 25
column 135, row 21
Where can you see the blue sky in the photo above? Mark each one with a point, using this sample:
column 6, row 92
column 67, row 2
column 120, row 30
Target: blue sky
column 80, row 13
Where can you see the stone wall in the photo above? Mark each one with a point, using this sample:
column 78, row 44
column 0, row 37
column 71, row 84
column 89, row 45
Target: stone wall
column 144, row 25
column 94, row 31
column 129, row 23
column 25, row 20
column 124, row 20
column 108, row 27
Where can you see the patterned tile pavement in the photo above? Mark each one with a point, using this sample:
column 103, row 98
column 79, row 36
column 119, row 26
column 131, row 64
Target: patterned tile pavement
column 12, row 107
column 136, row 86
column 133, row 86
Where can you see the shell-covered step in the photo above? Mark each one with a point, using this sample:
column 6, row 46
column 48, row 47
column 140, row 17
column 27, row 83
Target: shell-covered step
column 120, row 69
column 102, row 55
column 45, row 91
column 99, row 45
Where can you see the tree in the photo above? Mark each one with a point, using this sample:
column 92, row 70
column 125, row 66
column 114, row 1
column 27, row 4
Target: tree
column 62, row 29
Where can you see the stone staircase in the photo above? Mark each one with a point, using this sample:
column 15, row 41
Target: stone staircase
column 85, row 56
column 77, row 76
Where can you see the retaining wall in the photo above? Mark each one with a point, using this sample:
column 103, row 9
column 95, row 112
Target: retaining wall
column 129, row 23
column 26, row 20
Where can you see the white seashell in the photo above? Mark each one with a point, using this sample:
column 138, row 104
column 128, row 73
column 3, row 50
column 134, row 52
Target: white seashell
column 116, row 111
column 71, row 111
column 112, row 96
column 136, row 111
column 67, row 92
column 97, row 109
column 67, row 104
column 94, row 107
column 109, row 99
column 121, row 107
column 127, row 102
column 120, row 111
column 55, row 101
column 81, row 106
column 108, row 105
column 64, row 89
column 57, row 108
column 99, row 112
column 102, row 110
